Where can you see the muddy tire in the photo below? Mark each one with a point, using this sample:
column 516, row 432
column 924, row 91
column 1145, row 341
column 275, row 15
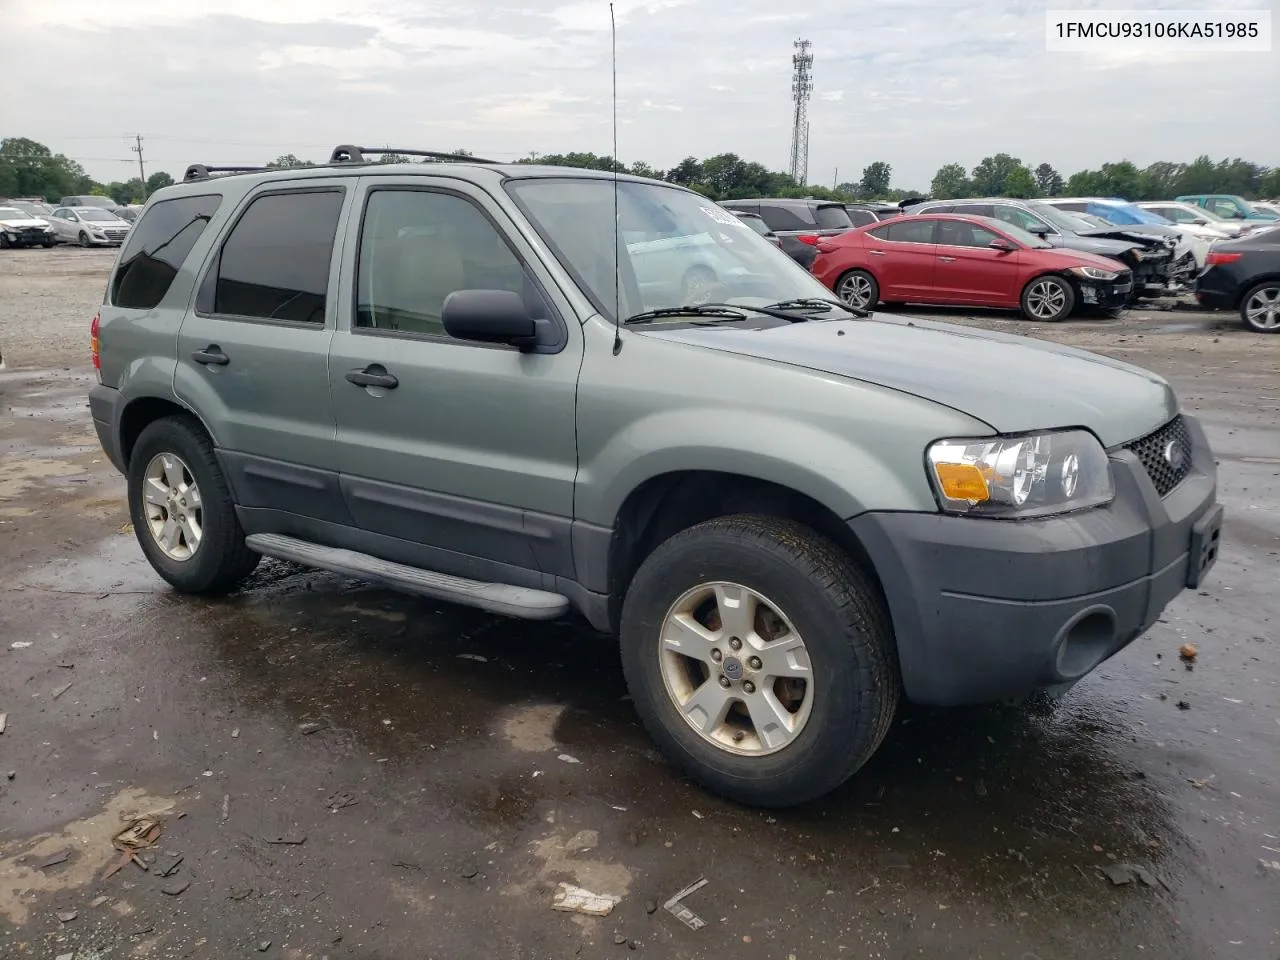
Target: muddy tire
column 807, row 665
column 182, row 511
column 858, row 288
column 1048, row 299
column 83, row 239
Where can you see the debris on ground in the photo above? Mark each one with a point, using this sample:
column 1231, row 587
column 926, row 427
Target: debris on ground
column 1203, row 782
column 980, row 788
column 235, row 733
column 1187, row 653
column 683, row 913
column 11, row 774
column 619, row 939
column 59, row 691
column 176, row 889
column 287, row 839
column 340, row 801
column 1183, row 705
column 171, row 864
column 140, row 834
column 240, row 893
column 1121, row 874
column 19, row 644
column 62, row 856
column 4, row 721
column 311, row 726
column 568, row 759
column 571, row 899
column 473, row 656
column 469, row 872
column 67, row 916
column 651, row 906
column 98, row 901
column 264, row 946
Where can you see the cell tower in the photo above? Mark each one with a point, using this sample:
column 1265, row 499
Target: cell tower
column 801, row 90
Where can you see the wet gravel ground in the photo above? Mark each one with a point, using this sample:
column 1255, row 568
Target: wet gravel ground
column 349, row 773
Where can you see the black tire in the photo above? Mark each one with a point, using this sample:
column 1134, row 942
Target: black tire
column 837, row 610
column 83, row 239
column 48, row 245
column 1269, row 287
column 4, row 242
column 848, row 280
column 221, row 560
column 1065, row 297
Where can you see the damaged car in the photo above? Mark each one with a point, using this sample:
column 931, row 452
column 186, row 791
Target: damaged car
column 20, row 229
column 1193, row 240
column 1149, row 257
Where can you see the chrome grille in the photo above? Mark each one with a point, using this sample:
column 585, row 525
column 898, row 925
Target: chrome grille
column 1165, row 455
column 115, row 234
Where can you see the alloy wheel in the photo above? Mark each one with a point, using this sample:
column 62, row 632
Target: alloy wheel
column 173, row 506
column 855, row 290
column 1262, row 309
column 1046, row 299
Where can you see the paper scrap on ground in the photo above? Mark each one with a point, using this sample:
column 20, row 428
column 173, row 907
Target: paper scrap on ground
column 573, row 899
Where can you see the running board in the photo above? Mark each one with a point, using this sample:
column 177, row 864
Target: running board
column 509, row 601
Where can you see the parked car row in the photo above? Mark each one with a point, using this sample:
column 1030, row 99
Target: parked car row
column 1046, row 258
column 28, row 222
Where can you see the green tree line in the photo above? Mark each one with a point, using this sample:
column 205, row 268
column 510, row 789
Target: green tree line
column 29, row 169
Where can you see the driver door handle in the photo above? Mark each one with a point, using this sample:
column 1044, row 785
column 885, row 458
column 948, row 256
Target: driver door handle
column 876, row 253
column 211, row 355
column 947, row 259
column 374, row 375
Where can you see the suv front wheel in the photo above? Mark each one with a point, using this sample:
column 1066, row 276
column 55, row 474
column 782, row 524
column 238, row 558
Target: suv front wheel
column 182, row 511
column 760, row 658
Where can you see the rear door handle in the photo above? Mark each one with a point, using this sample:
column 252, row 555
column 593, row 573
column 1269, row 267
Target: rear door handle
column 876, row 253
column 947, row 259
column 211, row 355
column 374, row 375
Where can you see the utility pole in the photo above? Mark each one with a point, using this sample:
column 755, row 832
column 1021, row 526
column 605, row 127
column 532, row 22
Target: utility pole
column 835, row 178
column 142, row 172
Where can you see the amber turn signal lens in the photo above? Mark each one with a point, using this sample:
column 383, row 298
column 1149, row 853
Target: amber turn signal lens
column 962, row 481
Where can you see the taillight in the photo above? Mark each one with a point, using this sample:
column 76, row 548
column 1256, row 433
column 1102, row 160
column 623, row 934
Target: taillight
column 1218, row 259
column 93, row 341
column 810, row 238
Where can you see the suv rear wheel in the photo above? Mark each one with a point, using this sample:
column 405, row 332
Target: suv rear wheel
column 182, row 511
column 760, row 658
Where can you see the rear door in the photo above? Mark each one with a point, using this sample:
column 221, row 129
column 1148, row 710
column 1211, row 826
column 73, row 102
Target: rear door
column 253, row 353
column 901, row 256
column 969, row 270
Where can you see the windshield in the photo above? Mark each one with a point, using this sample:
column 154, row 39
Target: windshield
column 675, row 247
column 34, row 209
column 1024, row 237
column 13, row 213
column 96, row 215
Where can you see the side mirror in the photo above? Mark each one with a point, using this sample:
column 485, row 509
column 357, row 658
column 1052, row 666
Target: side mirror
column 1039, row 229
column 998, row 244
column 489, row 316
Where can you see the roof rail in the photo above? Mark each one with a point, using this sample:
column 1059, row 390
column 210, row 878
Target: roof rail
column 203, row 171
column 349, row 153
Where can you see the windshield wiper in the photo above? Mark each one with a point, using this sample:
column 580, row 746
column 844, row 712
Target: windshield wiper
column 693, row 310
column 818, row 303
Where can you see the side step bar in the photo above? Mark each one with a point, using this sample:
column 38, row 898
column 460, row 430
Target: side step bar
column 504, row 599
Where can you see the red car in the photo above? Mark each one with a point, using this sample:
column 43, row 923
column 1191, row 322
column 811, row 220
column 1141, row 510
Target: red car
column 968, row 261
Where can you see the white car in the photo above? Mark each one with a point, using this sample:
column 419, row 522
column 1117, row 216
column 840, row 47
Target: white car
column 20, row 229
column 1187, row 215
column 89, row 226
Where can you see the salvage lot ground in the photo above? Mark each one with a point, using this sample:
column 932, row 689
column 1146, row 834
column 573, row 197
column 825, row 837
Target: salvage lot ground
column 465, row 765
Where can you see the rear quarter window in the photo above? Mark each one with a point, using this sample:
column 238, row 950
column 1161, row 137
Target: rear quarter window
column 157, row 247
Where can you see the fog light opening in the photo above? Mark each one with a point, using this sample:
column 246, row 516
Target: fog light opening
column 1085, row 642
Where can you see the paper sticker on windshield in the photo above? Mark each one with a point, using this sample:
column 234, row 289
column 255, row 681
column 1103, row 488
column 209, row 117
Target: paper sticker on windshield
column 719, row 215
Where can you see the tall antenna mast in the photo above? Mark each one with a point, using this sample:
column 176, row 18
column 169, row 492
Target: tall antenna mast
column 801, row 90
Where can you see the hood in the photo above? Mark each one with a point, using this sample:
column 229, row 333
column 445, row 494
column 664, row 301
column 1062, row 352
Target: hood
column 1063, row 257
column 18, row 223
column 1139, row 236
column 108, row 224
column 1013, row 384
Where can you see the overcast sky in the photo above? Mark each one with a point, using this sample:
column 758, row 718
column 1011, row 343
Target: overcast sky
column 915, row 83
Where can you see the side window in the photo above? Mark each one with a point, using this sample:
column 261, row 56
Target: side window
column 786, row 218
column 973, row 209
column 909, row 230
column 1018, row 217
column 1226, row 208
column 957, row 233
column 417, row 247
column 274, row 265
column 861, row 218
column 157, row 247
column 1076, row 207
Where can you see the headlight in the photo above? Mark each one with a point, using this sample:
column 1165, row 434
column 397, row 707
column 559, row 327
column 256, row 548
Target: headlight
column 1032, row 475
column 1094, row 273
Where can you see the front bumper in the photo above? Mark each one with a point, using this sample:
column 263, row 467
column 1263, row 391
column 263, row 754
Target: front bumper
column 1098, row 293
column 986, row 610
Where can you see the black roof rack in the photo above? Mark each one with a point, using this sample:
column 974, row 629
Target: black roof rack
column 349, row 153
column 203, row 171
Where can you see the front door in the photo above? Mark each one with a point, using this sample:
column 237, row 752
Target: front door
column 467, row 450
column 901, row 256
column 969, row 269
column 253, row 354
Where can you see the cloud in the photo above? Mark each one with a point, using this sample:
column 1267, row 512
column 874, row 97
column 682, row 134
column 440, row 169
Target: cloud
column 916, row 83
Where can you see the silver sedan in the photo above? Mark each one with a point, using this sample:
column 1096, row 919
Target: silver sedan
column 89, row 226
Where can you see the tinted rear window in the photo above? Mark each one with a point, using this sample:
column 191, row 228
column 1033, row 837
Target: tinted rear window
column 275, row 263
column 833, row 218
column 860, row 218
column 157, row 246
column 780, row 217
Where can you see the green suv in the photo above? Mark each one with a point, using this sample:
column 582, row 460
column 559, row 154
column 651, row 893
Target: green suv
column 500, row 385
